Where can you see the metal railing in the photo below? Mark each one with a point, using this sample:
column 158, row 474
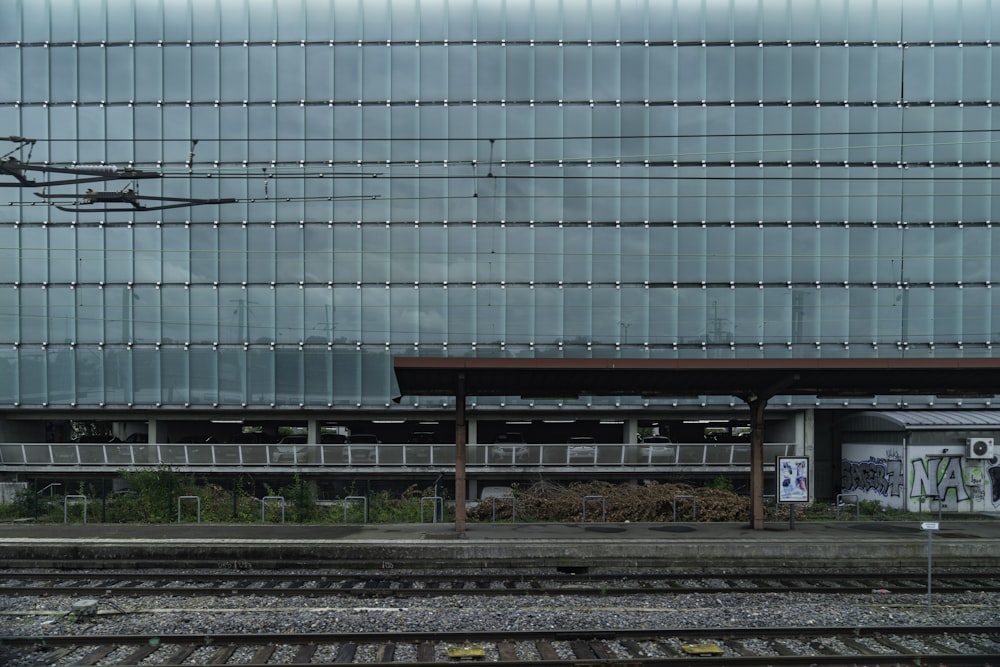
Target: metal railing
column 35, row 455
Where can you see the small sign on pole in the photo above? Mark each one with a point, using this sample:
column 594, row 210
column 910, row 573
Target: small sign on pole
column 930, row 527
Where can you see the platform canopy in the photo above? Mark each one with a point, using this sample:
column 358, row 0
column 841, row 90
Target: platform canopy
column 755, row 381
column 744, row 378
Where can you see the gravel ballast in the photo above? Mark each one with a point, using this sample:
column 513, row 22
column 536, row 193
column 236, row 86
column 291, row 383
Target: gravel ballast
column 227, row 614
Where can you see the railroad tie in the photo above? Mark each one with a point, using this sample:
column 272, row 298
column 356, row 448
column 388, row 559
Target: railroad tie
column 425, row 651
column 93, row 657
column 507, row 651
column 139, row 654
column 221, row 655
column 303, row 656
column 546, row 650
column 582, row 649
column 262, row 655
column 385, row 653
column 345, row 654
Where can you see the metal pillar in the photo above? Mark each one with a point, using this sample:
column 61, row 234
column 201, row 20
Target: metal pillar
column 460, row 440
column 757, row 406
column 757, row 402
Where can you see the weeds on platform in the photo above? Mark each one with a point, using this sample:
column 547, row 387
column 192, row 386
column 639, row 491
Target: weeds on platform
column 163, row 495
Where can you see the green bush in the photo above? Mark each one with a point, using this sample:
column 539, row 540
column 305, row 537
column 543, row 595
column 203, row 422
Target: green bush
column 721, row 484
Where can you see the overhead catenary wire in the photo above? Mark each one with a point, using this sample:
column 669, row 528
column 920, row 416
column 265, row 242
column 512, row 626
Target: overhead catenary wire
column 652, row 166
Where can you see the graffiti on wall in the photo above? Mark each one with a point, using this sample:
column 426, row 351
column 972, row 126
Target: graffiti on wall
column 994, row 474
column 935, row 476
column 930, row 477
column 881, row 476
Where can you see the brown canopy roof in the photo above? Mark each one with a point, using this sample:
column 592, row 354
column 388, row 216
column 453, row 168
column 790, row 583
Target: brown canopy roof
column 744, row 378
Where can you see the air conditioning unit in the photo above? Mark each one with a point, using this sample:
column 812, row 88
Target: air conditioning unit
column 979, row 448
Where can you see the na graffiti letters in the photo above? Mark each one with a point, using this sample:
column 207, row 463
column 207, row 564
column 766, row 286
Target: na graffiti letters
column 936, row 475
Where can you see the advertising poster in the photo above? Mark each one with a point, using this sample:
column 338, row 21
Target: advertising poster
column 793, row 479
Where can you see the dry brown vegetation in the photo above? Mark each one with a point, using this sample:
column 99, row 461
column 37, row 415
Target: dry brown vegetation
column 644, row 502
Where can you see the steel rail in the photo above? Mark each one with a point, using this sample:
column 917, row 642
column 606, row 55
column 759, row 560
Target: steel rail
column 769, row 632
column 424, row 585
column 587, row 646
column 138, row 591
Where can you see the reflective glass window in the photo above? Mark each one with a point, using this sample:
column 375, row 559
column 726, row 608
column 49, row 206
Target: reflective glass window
column 318, row 315
column 376, row 377
column 288, row 377
column 976, row 312
column 33, row 304
column 32, row 376
column 405, row 309
column 62, row 307
column 347, row 314
column 260, row 375
column 9, row 254
column 34, row 258
column 146, row 375
column 35, row 76
column 144, row 312
column 89, row 374
column 317, row 377
column 461, row 315
column 215, row 376
column 289, row 314
column 261, row 314
column 174, row 315
column 90, row 314
column 374, row 314
column 577, row 321
column 490, row 315
column 431, row 258
column 663, row 316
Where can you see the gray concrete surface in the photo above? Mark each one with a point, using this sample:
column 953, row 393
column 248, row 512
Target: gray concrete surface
column 847, row 543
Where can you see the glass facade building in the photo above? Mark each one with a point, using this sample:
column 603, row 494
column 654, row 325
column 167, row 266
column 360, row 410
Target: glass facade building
column 775, row 178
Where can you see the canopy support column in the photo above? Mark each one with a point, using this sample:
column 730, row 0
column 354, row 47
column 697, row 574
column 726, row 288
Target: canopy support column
column 757, row 405
column 461, row 437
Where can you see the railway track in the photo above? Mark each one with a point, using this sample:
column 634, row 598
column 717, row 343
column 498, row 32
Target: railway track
column 422, row 585
column 952, row 646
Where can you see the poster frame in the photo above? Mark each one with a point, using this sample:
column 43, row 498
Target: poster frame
column 794, row 492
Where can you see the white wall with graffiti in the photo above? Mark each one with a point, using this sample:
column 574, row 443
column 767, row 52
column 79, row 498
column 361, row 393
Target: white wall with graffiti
column 960, row 477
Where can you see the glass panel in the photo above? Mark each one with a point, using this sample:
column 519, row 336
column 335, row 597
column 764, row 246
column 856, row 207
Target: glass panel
column 33, row 315
column 60, row 381
column 117, row 364
column 374, row 315
column 207, row 307
column 461, row 314
column 203, row 377
column 289, row 314
column 62, row 315
column 429, row 315
column 691, row 454
column 146, row 375
column 9, row 254
column 174, row 377
column 317, row 377
column 34, row 258
column 288, row 377
column 231, row 379
column 376, row 371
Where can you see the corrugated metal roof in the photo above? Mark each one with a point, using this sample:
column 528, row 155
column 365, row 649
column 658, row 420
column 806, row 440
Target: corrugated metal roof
column 921, row 420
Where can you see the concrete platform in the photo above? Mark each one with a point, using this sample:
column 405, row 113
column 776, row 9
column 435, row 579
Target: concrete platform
column 706, row 546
